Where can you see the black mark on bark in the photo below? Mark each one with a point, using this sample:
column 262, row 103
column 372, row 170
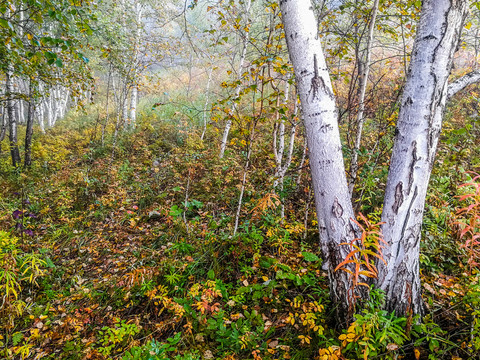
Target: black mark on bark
column 407, row 217
column 398, row 197
column 318, row 84
column 337, row 209
column 412, row 167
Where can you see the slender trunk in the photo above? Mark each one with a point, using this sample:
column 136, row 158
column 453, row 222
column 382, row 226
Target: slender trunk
column 3, row 128
column 121, row 113
column 12, row 121
column 133, row 106
column 244, row 182
column 29, row 130
column 41, row 116
column 134, row 94
column 106, row 104
column 205, row 106
column 126, row 119
column 332, row 198
column 302, row 161
column 365, row 66
column 49, row 105
column 418, row 130
column 246, row 39
column 281, row 165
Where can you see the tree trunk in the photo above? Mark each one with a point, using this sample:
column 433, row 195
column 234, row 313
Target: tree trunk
column 107, row 114
column 246, row 39
column 3, row 127
column 417, row 134
column 29, row 130
column 364, row 64
column 136, row 56
column 12, row 121
column 332, row 199
column 205, row 106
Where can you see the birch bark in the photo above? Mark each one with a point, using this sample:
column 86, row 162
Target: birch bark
column 29, row 129
column 12, row 120
column 332, row 199
column 462, row 82
column 418, row 130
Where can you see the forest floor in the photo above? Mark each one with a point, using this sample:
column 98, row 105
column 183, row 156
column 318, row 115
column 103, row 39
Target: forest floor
column 132, row 256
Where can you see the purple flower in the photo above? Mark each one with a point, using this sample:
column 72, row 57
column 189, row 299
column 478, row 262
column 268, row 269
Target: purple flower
column 17, row 214
column 19, row 226
column 28, row 232
column 26, row 201
column 32, row 215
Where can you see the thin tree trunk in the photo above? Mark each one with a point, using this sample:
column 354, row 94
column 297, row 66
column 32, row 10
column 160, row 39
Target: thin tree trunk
column 41, row 116
column 29, row 130
column 332, row 198
column 244, row 181
column 462, row 82
column 107, row 114
column 133, row 106
column 365, row 66
column 205, row 106
column 302, row 161
column 134, row 94
column 246, row 39
column 418, row 130
column 3, row 128
column 12, row 121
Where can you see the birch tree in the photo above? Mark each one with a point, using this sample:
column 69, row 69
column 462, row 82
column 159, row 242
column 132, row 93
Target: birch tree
column 418, row 131
column 245, row 40
column 332, row 199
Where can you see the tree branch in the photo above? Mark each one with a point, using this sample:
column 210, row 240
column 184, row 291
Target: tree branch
column 461, row 83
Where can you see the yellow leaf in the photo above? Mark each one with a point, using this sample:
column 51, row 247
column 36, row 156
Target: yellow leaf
column 468, row 25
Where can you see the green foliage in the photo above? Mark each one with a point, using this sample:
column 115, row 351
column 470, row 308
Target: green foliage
column 374, row 332
column 116, row 337
column 17, row 268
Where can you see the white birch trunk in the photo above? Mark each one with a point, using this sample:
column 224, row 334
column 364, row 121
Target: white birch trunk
column 49, row 104
column 246, row 39
column 133, row 106
column 332, row 199
column 417, row 134
column 207, row 97
column 134, row 94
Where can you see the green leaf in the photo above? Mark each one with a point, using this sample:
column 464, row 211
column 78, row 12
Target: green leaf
column 310, row 257
column 211, row 274
column 16, row 338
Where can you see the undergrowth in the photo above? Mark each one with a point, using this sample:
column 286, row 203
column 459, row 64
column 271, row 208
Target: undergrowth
column 134, row 258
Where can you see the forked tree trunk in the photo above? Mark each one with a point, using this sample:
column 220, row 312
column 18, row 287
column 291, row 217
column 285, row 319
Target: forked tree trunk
column 418, row 130
column 332, row 199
